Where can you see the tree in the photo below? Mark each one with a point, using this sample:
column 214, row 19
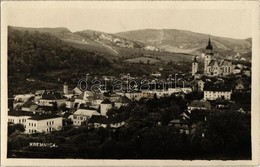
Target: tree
column 15, row 128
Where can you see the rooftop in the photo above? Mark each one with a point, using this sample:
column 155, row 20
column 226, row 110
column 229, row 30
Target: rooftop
column 20, row 113
column 200, row 103
column 44, row 117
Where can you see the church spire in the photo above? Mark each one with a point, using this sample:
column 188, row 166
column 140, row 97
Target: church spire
column 209, row 48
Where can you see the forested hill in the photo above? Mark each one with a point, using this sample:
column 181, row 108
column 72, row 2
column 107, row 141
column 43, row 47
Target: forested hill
column 34, row 52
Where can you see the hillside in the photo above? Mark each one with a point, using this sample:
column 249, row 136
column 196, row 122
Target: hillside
column 181, row 41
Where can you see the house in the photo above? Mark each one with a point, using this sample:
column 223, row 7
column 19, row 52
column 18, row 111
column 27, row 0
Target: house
column 29, row 106
column 241, row 85
column 98, row 98
column 21, row 99
column 237, row 70
column 122, row 101
column 221, row 103
column 246, row 71
column 111, row 96
column 106, row 122
column 182, row 124
column 83, row 115
column 105, row 106
column 201, row 85
column 186, row 90
column 134, row 95
column 174, row 90
column 213, row 93
column 199, row 105
column 156, row 74
column 70, row 103
column 77, row 91
column 50, row 98
column 19, row 117
column 43, row 123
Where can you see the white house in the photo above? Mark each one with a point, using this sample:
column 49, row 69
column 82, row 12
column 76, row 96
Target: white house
column 19, row 117
column 201, row 84
column 215, row 93
column 199, row 105
column 83, row 115
column 43, row 123
column 174, row 90
column 105, row 106
column 105, row 122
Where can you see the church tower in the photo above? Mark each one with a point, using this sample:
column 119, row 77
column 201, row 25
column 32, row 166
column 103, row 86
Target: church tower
column 65, row 88
column 208, row 56
column 195, row 66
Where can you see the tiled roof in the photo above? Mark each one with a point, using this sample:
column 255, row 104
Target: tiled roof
column 52, row 95
column 20, row 113
column 218, row 88
column 200, row 103
column 106, row 101
column 28, row 104
column 105, row 120
column 44, row 116
column 86, row 112
column 123, row 99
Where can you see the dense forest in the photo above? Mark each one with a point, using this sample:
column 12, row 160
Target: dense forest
column 34, row 53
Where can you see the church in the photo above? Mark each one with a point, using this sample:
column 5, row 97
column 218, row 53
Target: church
column 212, row 65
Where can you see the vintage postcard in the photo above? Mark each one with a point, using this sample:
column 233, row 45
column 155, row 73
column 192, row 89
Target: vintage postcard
column 121, row 83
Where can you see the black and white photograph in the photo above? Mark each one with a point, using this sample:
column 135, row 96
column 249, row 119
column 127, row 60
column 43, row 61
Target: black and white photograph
column 170, row 81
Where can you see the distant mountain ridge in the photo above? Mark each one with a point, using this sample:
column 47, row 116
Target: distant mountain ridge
column 183, row 41
column 159, row 40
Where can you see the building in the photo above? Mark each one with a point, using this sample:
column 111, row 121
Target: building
column 29, row 106
column 106, row 122
column 21, row 99
column 83, row 115
column 19, row 117
column 156, row 74
column 199, row 105
column 70, row 103
column 216, row 67
column 50, row 98
column 122, row 101
column 105, row 106
column 65, row 88
column 214, row 93
column 43, row 123
column 195, row 66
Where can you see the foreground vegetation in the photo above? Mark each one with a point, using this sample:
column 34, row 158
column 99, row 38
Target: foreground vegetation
column 227, row 135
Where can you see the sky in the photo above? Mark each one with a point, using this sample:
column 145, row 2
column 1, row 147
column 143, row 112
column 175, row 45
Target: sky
column 225, row 22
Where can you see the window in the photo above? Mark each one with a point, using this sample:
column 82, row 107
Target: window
column 47, row 123
column 52, row 122
column 29, row 125
column 34, row 125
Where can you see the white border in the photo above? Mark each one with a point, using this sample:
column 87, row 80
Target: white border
column 252, row 5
